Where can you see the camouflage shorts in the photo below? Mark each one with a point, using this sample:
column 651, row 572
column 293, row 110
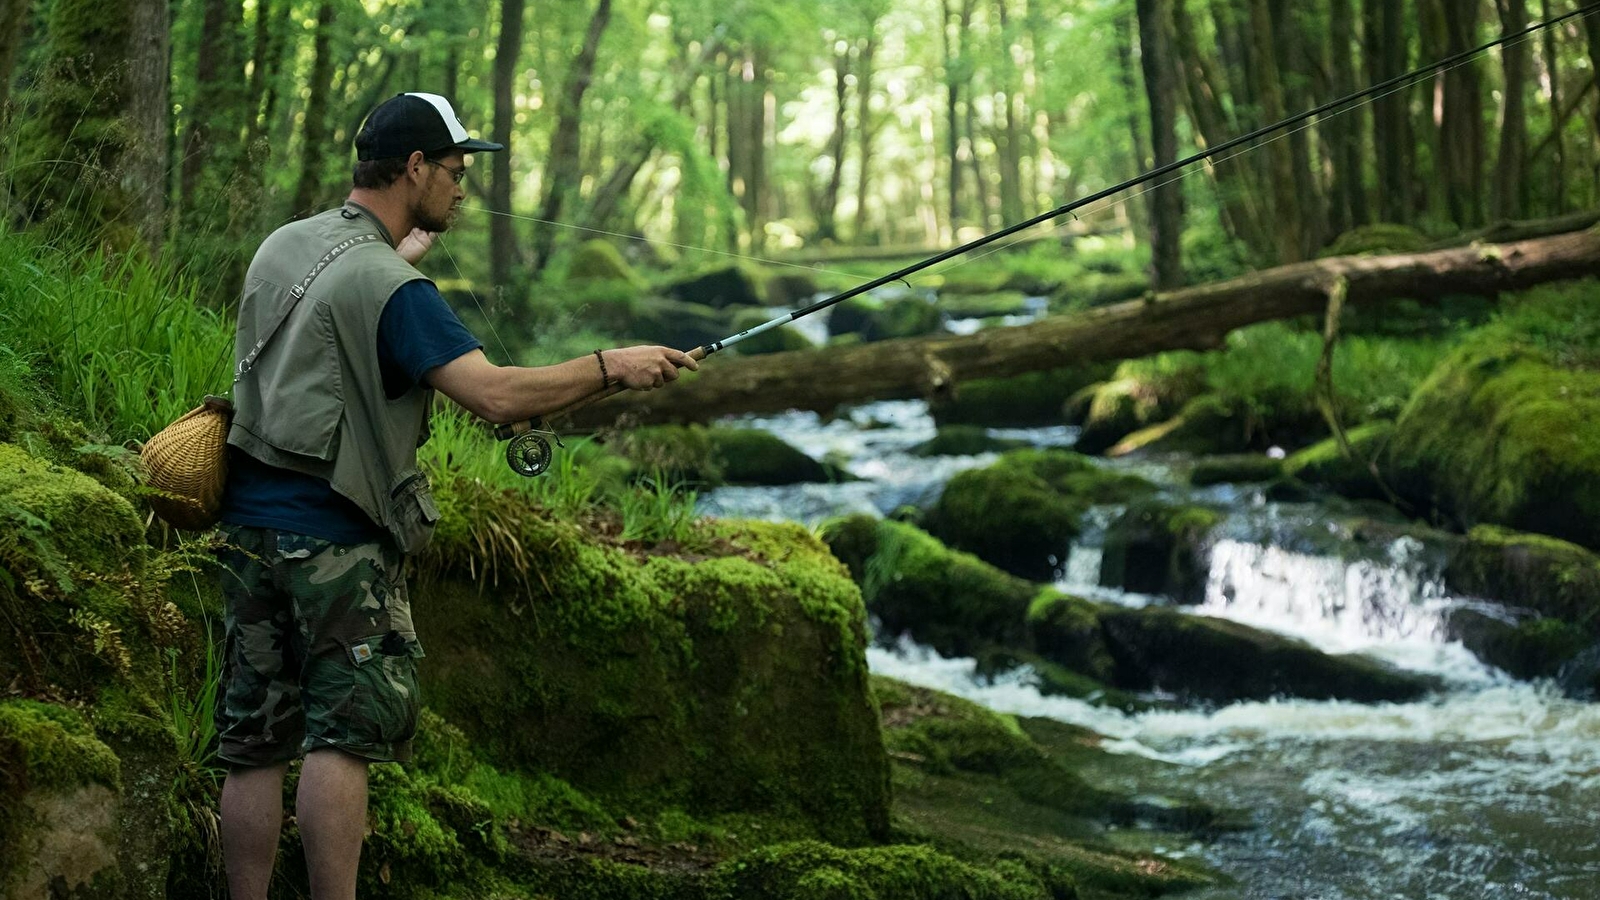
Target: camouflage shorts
column 320, row 651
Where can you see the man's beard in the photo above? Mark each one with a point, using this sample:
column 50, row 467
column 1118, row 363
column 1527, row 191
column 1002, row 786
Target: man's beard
column 428, row 221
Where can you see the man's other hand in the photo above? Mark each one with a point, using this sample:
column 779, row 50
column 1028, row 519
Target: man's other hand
column 414, row 246
column 645, row 368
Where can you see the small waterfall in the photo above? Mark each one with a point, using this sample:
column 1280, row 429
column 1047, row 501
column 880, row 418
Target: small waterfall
column 1336, row 602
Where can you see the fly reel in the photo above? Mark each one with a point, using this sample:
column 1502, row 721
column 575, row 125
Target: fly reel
column 529, row 453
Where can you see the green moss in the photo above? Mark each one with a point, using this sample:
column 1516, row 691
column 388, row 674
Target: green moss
column 812, row 871
column 944, row 598
column 1033, row 399
column 1066, row 630
column 1554, row 577
column 1507, row 430
column 777, row 340
column 731, row 683
column 1206, row 424
column 599, row 260
column 51, row 747
column 61, row 518
column 753, row 456
column 1383, row 237
column 1022, row 513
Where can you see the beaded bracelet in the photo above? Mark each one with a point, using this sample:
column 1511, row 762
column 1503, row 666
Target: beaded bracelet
column 605, row 379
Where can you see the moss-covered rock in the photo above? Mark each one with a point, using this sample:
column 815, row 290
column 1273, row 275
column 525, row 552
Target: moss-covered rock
column 1159, row 548
column 813, row 871
column 1203, row 658
column 719, row 288
column 1066, row 630
column 1550, row 576
column 1234, row 469
column 874, row 320
column 985, row 306
column 1022, row 513
column 714, row 456
column 1033, row 399
column 1507, row 429
column 790, row 288
column 1382, row 237
column 59, row 796
column 737, row 682
column 599, row 260
column 1534, row 648
column 949, row 600
column 1325, row 463
column 965, row 440
column 673, row 323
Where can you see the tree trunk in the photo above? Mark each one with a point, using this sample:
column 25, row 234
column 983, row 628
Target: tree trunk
column 1166, row 201
column 1197, row 318
column 210, row 152
column 1010, row 156
column 1130, row 89
column 309, row 192
column 828, row 203
column 1293, row 57
column 562, row 170
column 952, row 89
column 149, row 116
column 1347, row 132
column 969, row 140
column 1383, row 22
column 1552, row 66
column 1205, row 91
column 1288, row 222
column 1461, row 137
column 1510, row 183
column 503, row 255
column 864, row 131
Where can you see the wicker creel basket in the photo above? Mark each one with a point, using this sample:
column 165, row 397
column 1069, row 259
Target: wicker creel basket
column 186, row 465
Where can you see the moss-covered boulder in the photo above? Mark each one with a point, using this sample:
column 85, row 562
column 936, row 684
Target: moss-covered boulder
column 882, row 320
column 1326, row 464
column 985, row 306
column 1209, row 659
column 1507, row 429
column 708, row 457
column 1159, row 548
column 1533, row 648
column 1552, row 577
column 790, row 287
column 965, row 440
column 719, row 288
column 1066, row 630
column 1235, row 468
column 949, row 600
column 1382, row 237
column 1022, row 513
column 60, row 793
column 733, row 683
column 599, row 260
column 1135, row 398
column 1033, row 399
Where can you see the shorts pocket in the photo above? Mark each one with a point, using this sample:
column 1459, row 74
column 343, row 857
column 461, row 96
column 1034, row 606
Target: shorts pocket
column 385, row 696
column 412, row 512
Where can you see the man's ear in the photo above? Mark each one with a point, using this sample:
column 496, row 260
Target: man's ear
column 415, row 163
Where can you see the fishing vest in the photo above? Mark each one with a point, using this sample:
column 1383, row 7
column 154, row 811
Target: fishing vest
column 314, row 401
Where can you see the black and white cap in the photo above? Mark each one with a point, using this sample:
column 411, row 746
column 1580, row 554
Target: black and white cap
column 406, row 123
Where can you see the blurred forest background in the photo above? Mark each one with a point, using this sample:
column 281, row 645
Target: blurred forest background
column 194, row 127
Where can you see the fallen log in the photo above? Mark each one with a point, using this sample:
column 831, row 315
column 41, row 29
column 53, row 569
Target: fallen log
column 1196, row 318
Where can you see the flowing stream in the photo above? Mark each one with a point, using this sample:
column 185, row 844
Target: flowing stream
column 1489, row 788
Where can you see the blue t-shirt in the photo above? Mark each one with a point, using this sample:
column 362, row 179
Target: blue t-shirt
column 418, row 331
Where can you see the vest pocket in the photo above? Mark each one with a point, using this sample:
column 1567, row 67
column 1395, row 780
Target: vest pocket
column 412, row 513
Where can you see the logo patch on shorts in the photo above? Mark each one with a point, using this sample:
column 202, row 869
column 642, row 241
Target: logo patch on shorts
column 361, row 652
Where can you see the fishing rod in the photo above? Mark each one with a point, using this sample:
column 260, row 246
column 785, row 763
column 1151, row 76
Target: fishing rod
column 529, row 452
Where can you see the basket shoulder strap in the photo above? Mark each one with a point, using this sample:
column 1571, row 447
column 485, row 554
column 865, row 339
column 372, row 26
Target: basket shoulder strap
column 297, row 292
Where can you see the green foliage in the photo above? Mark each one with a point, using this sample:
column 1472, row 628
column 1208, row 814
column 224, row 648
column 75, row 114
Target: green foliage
column 118, row 339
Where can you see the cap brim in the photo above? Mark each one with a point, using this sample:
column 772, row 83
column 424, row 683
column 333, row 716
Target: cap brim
column 473, row 145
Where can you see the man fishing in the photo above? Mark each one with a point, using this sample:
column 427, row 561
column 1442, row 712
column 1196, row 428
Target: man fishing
column 340, row 346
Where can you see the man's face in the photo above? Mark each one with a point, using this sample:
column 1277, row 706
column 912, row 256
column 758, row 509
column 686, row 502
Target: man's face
column 439, row 196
